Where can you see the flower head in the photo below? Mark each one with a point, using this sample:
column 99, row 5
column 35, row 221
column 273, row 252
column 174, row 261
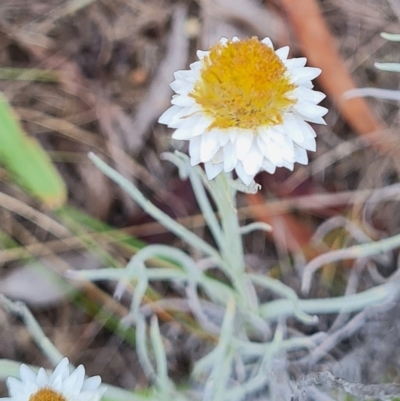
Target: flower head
column 244, row 106
column 61, row 385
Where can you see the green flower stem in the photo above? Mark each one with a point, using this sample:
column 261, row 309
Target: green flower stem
column 232, row 248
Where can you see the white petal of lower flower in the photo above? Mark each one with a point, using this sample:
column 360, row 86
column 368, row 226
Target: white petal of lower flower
column 315, row 120
column 91, row 383
column 309, row 110
column 304, row 74
column 75, row 380
column 26, row 374
column 42, row 378
column 61, row 385
column 236, row 118
column 309, row 95
column 283, row 53
column 268, row 42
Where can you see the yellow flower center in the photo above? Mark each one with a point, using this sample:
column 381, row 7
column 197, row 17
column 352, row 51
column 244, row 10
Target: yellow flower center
column 243, row 84
column 47, row 394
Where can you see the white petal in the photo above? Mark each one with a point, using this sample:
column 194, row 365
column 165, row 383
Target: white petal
column 309, row 95
column 244, row 140
column 194, row 150
column 270, row 149
column 293, row 130
column 295, row 63
column 230, row 157
column 246, row 178
column 288, row 165
column 283, row 53
column 308, row 131
column 181, row 116
column 183, row 101
column 309, row 110
column 212, row 170
column 182, row 74
column 235, row 39
column 268, row 42
column 27, row 374
column 42, row 378
column 223, row 136
column 315, row 120
column 76, row 379
column 253, row 161
column 92, row 383
column 201, row 126
column 268, row 166
column 309, row 144
column 223, row 41
column 197, row 65
column 304, row 74
column 61, row 370
column 209, row 145
column 201, row 54
column 14, row 386
column 219, row 156
column 168, row 114
column 185, row 131
column 300, row 154
column 278, row 145
column 184, row 89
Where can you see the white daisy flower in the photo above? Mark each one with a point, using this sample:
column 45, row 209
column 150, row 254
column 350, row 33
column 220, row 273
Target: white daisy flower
column 245, row 107
column 61, row 385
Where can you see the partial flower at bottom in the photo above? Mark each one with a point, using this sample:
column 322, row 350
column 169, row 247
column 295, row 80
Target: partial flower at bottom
column 245, row 107
column 61, row 385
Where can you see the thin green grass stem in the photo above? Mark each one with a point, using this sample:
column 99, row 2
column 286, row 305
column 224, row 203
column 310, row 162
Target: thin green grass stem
column 176, row 228
column 42, row 341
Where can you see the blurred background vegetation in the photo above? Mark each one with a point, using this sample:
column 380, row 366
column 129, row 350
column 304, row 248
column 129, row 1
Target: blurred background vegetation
column 92, row 75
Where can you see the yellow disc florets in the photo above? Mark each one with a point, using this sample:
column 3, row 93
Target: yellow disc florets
column 243, row 84
column 46, row 394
